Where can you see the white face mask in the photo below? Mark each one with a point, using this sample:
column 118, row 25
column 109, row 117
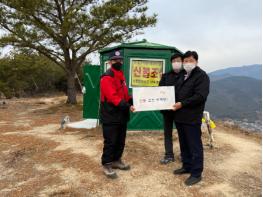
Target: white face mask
column 189, row 67
column 177, row 66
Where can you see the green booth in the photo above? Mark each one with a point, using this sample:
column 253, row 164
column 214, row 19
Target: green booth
column 144, row 62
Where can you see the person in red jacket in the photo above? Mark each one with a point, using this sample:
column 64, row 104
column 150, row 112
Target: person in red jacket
column 115, row 104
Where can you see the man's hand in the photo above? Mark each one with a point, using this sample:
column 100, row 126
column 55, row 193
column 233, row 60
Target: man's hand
column 177, row 106
column 132, row 109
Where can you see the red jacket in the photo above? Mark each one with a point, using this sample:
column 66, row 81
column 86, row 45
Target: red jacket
column 114, row 97
column 114, row 89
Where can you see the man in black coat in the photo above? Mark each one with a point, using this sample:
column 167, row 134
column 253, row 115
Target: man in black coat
column 191, row 93
column 169, row 79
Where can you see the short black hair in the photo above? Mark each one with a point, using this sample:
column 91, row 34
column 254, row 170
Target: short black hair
column 191, row 53
column 176, row 55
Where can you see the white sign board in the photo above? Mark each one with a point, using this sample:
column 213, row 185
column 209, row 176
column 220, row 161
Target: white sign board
column 153, row 98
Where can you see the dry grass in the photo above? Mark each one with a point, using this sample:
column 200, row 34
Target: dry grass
column 38, row 159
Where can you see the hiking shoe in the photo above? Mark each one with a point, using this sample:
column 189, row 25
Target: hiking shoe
column 167, row 160
column 180, row 171
column 109, row 172
column 120, row 165
column 192, row 180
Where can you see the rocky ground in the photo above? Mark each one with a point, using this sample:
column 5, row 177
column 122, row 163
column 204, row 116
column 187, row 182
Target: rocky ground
column 39, row 159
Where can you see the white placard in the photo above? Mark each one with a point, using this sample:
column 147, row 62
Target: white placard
column 153, row 98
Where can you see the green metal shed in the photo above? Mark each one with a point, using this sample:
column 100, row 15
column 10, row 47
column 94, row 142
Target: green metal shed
column 144, row 62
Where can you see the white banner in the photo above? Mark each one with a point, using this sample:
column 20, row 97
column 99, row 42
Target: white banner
column 153, row 98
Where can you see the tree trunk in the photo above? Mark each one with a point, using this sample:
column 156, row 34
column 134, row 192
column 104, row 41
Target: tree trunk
column 71, row 88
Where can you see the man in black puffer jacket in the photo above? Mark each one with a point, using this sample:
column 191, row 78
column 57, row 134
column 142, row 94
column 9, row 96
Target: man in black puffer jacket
column 169, row 79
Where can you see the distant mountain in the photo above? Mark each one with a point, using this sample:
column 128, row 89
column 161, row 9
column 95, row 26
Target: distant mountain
column 253, row 71
column 235, row 97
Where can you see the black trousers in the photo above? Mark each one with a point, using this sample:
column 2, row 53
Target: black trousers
column 114, row 142
column 191, row 147
column 168, row 121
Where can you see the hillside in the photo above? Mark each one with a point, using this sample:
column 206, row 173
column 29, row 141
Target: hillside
column 235, row 98
column 253, row 71
column 39, row 159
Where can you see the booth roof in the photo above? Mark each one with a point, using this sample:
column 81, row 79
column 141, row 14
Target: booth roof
column 140, row 44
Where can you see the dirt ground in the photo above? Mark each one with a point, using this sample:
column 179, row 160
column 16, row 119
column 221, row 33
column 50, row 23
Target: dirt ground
column 39, row 159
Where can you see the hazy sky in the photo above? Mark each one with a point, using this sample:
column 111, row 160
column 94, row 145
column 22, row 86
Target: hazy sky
column 223, row 32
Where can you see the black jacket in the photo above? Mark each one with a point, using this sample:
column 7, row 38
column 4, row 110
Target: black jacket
column 192, row 93
column 168, row 79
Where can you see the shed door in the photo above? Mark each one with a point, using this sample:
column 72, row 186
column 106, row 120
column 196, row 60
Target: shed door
column 92, row 86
